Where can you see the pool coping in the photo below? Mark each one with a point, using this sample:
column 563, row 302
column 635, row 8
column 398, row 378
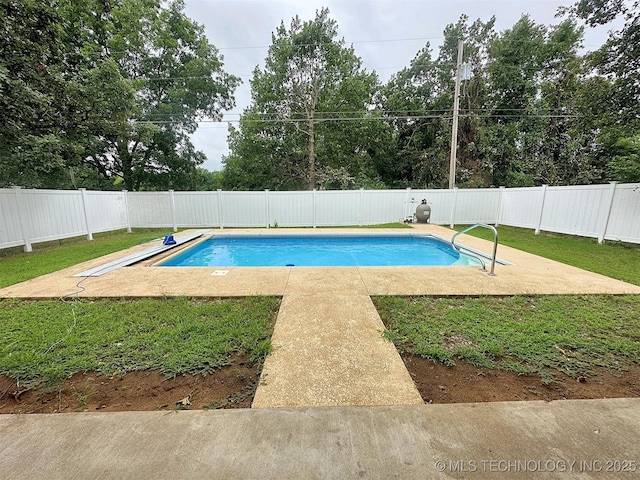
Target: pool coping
column 159, row 259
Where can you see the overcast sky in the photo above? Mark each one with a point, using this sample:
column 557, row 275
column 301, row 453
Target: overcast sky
column 386, row 34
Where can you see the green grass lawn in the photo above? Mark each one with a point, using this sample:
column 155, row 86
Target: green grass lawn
column 525, row 334
column 17, row 266
column 44, row 342
column 613, row 259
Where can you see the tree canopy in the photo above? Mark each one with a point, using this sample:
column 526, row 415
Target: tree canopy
column 532, row 111
column 310, row 122
column 103, row 93
column 106, row 94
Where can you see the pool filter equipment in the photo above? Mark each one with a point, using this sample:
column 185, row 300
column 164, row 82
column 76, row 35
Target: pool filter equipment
column 423, row 212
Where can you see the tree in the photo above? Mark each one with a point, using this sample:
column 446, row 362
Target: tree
column 419, row 101
column 178, row 78
column 98, row 93
column 624, row 165
column 611, row 97
column 310, row 122
column 406, row 101
column 30, row 48
column 534, row 80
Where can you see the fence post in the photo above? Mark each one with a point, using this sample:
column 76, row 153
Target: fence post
column 361, row 206
column 544, row 196
column 612, row 189
column 266, row 197
column 314, row 207
column 126, row 211
column 499, row 214
column 453, row 207
column 173, row 211
column 220, row 208
column 84, row 211
column 24, row 219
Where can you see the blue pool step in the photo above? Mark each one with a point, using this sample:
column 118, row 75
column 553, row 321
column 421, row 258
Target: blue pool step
column 138, row 257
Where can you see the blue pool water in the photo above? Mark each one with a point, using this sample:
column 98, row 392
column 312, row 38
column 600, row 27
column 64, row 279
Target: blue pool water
column 319, row 250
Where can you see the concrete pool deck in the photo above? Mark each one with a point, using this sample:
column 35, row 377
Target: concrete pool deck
column 528, row 274
column 355, row 414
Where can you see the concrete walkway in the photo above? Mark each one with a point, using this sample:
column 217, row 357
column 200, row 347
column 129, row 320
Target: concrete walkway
column 584, row 439
column 328, row 350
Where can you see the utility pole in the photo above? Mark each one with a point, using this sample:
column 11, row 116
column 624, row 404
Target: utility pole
column 454, row 128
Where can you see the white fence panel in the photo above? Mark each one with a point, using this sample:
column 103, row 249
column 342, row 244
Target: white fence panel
column 51, row 214
column 624, row 220
column 340, row 207
column 11, row 234
column 150, row 209
column 476, row 206
column 106, row 211
column 292, row 209
column 197, row 209
column 383, row 206
column 244, row 209
column 576, row 210
column 609, row 212
column 521, row 207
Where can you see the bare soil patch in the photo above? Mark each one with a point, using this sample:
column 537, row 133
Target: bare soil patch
column 232, row 386
column 464, row 383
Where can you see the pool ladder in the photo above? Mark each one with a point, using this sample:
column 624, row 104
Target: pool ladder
column 458, row 248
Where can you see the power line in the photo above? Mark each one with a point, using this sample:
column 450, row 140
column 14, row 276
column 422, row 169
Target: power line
column 352, row 119
column 486, row 68
column 385, row 113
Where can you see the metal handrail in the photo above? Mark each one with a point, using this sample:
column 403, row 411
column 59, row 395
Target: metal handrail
column 495, row 244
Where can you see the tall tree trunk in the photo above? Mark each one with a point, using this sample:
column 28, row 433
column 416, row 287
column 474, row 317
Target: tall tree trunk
column 312, row 155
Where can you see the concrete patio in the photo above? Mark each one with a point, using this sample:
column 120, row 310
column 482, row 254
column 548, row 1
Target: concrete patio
column 584, row 439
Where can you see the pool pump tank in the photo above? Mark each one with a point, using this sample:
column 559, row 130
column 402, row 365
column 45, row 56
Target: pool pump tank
column 423, row 212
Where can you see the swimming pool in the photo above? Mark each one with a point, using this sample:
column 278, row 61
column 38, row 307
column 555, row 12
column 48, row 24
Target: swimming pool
column 320, row 251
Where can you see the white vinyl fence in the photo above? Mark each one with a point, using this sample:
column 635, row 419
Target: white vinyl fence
column 605, row 212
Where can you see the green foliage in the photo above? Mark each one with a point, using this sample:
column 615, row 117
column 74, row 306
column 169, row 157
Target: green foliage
column 299, row 130
column 625, row 165
column 31, row 47
column 105, row 95
column 570, row 334
column 425, row 90
column 533, row 112
column 102, row 92
column 617, row 64
column 47, row 341
column 535, row 104
column 516, row 109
